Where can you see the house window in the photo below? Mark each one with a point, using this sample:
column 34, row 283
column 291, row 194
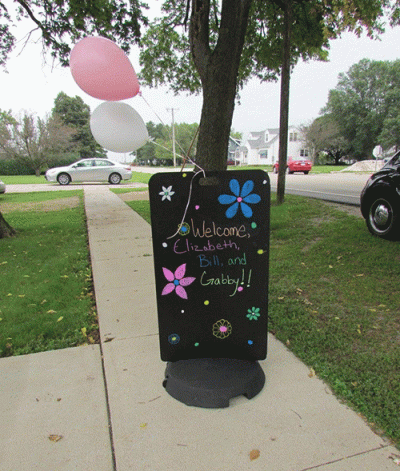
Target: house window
column 303, row 152
column 264, row 154
column 293, row 137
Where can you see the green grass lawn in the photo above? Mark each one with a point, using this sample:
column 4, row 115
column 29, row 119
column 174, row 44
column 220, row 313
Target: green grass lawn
column 46, row 298
column 334, row 301
column 23, row 180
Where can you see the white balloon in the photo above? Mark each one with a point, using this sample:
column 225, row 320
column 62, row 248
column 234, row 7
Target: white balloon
column 118, row 127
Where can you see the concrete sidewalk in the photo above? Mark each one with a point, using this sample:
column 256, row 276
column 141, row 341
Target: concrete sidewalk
column 103, row 407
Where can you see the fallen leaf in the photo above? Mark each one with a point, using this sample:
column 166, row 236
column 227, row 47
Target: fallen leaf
column 144, row 425
column 311, row 374
column 91, row 339
column 395, row 458
column 83, row 330
column 51, row 311
column 360, row 274
column 254, row 454
column 60, row 319
column 55, row 438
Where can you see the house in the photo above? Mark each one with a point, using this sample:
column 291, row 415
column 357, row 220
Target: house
column 233, row 147
column 262, row 148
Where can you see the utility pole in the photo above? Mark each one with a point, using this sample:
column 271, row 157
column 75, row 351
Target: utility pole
column 173, row 132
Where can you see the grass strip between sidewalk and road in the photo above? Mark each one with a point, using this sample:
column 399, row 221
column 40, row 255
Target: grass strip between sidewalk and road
column 334, row 301
column 46, row 295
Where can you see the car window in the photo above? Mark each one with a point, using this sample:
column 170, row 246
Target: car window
column 396, row 160
column 84, row 163
column 103, row 163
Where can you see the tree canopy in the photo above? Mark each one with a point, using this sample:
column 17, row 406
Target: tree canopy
column 61, row 23
column 365, row 106
column 34, row 141
column 325, row 140
column 161, row 147
column 75, row 113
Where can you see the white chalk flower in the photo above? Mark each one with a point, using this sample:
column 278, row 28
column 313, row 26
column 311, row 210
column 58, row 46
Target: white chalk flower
column 166, row 193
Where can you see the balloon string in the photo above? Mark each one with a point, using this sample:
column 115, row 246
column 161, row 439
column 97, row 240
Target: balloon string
column 188, row 202
column 162, row 122
column 166, row 148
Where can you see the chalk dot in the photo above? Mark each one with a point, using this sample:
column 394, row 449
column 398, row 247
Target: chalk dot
column 165, row 244
column 206, row 302
column 240, row 288
column 264, row 182
column 250, row 342
column 182, row 311
column 260, row 251
column 196, row 344
column 173, row 339
column 223, row 328
column 184, row 175
column 253, row 225
column 197, row 206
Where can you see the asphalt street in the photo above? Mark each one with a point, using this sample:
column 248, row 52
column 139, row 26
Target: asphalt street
column 340, row 187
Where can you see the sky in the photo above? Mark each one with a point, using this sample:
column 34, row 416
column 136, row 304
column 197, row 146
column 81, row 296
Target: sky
column 32, row 85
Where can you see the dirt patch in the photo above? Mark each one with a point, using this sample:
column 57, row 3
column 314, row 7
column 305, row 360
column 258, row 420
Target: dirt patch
column 347, row 208
column 46, row 206
column 134, row 195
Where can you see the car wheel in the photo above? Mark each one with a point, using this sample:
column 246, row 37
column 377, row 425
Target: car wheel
column 63, row 179
column 115, row 178
column 306, row 172
column 382, row 218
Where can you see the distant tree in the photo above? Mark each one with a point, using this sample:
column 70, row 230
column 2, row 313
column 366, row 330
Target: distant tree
column 160, row 147
column 236, row 135
column 34, row 141
column 74, row 113
column 365, row 105
column 323, row 136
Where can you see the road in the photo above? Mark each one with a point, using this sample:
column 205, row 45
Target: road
column 340, row 187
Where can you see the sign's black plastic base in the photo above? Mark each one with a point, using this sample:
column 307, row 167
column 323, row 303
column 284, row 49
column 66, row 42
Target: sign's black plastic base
column 211, row 382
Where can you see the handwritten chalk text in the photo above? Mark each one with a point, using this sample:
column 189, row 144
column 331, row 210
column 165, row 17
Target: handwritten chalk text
column 219, row 231
column 182, row 246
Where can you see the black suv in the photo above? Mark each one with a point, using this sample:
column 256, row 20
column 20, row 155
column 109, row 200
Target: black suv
column 380, row 200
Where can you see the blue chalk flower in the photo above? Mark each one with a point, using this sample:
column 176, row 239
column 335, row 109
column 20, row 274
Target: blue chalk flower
column 241, row 197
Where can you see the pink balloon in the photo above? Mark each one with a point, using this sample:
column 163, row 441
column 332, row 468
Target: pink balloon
column 103, row 70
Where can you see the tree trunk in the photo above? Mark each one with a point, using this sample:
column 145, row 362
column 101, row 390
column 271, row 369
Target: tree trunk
column 284, row 109
column 5, row 229
column 218, row 70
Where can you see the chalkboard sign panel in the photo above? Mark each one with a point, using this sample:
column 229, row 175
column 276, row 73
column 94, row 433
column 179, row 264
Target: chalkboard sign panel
column 211, row 246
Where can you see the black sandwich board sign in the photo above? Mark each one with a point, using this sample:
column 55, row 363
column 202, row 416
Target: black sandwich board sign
column 211, row 247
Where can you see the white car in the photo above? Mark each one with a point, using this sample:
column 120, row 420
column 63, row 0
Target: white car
column 2, row 187
column 90, row 170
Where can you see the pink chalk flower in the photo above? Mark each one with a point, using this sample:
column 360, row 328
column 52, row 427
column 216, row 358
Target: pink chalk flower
column 177, row 281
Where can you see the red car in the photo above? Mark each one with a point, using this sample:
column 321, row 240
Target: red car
column 301, row 164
